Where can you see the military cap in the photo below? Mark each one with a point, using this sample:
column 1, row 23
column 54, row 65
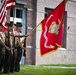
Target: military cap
column 11, row 24
column 18, row 24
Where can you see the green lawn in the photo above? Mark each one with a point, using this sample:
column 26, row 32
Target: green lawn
column 40, row 70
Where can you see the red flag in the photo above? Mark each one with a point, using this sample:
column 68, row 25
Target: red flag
column 52, row 28
column 6, row 5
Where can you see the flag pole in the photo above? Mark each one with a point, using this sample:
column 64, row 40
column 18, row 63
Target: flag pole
column 33, row 30
column 39, row 24
column 13, row 27
column 66, row 1
column 13, row 20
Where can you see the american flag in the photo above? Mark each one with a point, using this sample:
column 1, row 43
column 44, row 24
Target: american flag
column 6, row 5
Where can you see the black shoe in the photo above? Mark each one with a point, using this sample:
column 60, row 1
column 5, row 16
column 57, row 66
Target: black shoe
column 6, row 72
column 0, row 69
column 17, row 70
column 11, row 71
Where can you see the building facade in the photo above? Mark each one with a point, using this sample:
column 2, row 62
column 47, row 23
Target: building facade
column 67, row 54
column 30, row 13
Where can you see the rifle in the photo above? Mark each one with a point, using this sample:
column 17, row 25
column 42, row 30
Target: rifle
column 24, row 54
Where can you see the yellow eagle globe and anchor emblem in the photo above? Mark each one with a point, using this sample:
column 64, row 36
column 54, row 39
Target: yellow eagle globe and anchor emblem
column 54, row 27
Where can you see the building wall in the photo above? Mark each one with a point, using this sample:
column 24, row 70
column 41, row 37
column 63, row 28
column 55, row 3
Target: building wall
column 71, row 23
column 62, row 56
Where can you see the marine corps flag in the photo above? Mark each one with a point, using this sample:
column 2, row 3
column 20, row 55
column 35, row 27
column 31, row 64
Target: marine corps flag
column 52, row 28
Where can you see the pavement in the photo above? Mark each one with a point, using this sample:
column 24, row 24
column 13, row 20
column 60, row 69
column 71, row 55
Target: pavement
column 65, row 67
column 60, row 67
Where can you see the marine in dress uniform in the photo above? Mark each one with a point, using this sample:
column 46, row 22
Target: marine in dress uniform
column 8, row 54
column 19, row 46
column 13, row 43
column 2, row 48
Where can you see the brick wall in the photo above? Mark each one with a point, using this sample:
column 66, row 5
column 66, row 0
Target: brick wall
column 31, row 23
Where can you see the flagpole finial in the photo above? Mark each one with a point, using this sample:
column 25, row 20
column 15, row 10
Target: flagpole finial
column 65, row 1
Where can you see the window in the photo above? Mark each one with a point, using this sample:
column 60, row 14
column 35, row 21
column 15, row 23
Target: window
column 47, row 11
column 18, row 13
column 11, row 13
